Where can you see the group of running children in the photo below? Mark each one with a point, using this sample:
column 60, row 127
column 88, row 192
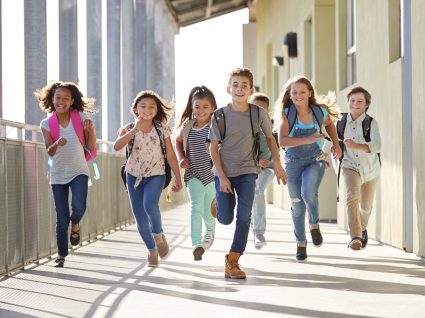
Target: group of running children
column 229, row 155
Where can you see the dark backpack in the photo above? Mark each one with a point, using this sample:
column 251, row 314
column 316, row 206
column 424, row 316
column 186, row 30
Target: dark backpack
column 254, row 116
column 340, row 129
column 317, row 111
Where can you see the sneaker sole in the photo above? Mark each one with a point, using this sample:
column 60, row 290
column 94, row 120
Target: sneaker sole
column 356, row 247
column 301, row 260
column 235, row 277
column 260, row 245
column 318, row 245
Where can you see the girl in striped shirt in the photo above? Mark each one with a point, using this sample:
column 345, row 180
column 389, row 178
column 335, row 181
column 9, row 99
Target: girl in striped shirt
column 193, row 156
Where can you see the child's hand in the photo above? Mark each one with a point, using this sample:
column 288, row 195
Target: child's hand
column 61, row 141
column 336, row 151
column 264, row 163
column 280, row 173
column 177, row 185
column 184, row 163
column 315, row 137
column 225, row 185
column 88, row 125
column 138, row 123
column 350, row 143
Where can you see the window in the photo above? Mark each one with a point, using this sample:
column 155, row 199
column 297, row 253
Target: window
column 351, row 42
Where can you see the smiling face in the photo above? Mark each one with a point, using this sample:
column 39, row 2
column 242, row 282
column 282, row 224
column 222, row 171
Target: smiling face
column 147, row 108
column 62, row 100
column 299, row 94
column 240, row 88
column 357, row 105
column 202, row 109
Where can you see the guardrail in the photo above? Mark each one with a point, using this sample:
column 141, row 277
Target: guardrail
column 27, row 215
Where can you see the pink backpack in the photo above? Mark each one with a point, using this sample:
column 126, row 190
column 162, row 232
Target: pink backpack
column 78, row 127
column 79, row 130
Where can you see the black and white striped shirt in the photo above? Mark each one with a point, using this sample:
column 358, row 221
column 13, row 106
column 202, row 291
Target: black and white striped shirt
column 200, row 160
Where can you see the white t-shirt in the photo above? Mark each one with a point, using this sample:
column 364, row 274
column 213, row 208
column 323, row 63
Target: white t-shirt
column 69, row 160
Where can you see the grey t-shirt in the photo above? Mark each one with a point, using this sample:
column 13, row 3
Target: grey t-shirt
column 69, row 160
column 236, row 150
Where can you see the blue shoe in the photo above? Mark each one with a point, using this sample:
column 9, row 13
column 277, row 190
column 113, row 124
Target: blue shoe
column 364, row 239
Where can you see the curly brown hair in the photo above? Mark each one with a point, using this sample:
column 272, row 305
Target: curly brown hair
column 45, row 97
column 285, row 101
column 164, row 109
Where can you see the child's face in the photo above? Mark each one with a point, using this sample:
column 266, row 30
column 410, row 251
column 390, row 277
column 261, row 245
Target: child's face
column 240, row 88
column 202, row 109
column 357, row 104
column 299, row 94
column 261, row 103
column 62, row 100
column 146, row 108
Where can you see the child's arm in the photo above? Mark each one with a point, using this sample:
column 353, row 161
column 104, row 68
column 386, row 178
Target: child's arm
column 286, row 141
column 172, row 161
column 51, row 146
column 89, row 134
column 373, row 146
column 331, row 130
column 278, row 169
column 225, row 185
column 183, row 161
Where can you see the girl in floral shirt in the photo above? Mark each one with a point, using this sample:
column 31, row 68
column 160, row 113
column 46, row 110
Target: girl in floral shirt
column 145, row 168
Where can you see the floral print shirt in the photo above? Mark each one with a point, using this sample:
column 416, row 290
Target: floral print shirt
column 146, row 158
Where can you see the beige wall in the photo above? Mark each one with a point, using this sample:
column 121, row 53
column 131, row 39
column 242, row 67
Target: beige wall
column 380, row 70
column 275, row 18
column 418, row 49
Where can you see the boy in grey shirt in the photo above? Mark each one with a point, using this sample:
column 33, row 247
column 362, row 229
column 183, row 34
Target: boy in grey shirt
column 235, row 161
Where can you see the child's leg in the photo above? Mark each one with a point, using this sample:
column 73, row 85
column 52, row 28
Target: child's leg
column 245, row 189
column 294, row 172
column 311, row 178
column 259, row 205
column 152, row 188
column 352, row 184
column 196, row 192
column 367, row 193
column 209, row 196
column 225, row 203
column 60, row 196
column 140, row 215
column 79, row 189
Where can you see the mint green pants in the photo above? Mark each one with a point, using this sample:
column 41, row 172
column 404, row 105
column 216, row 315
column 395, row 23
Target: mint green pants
column 200, row 208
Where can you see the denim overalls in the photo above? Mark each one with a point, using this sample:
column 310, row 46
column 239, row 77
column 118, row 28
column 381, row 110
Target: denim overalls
column 305, row 169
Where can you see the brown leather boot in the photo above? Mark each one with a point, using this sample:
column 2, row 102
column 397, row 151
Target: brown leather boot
column 232, row 267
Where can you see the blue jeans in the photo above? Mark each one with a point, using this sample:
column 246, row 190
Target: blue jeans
column 304, row 177
column 200, row 208
column 259, row 207
column 144, row 202
column 244, row 187
column 79, row 190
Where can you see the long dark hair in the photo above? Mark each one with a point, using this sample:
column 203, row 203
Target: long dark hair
column 45, row 97
column 196, row 93
column 163, row 108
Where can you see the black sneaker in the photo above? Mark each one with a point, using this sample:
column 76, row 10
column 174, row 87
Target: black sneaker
column 316, row 237
column 301, row 255
column 364, row 239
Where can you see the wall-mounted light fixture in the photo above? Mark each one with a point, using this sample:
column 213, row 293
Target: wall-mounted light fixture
column 290, row 41
column 278, row 61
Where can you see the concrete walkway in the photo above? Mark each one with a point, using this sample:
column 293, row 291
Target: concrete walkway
column 108, row 278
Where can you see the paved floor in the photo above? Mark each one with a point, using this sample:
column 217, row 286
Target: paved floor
column 108, row 278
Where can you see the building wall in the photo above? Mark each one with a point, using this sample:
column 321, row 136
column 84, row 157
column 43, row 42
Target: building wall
column 418, row 127
column 314, row 23
column 380, row 69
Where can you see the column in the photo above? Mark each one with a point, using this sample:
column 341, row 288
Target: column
column 68, row 45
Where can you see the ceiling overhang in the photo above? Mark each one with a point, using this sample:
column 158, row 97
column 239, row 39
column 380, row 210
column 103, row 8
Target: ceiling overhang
column 187, row 12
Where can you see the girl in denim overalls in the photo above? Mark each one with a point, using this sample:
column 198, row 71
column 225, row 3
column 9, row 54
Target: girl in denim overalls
column 305, row 165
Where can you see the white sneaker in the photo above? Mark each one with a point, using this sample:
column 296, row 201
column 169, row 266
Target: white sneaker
column 208, row 239
column 259, row 241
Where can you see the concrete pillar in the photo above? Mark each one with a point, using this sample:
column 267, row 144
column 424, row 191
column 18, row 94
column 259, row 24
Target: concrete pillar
column 1, row 70
column 159, row 46
column 150, row 45
column 127, row 62
column 114, row 67
column 140, row 25
column 94, row 58
column 35, row 37
column 68, row 45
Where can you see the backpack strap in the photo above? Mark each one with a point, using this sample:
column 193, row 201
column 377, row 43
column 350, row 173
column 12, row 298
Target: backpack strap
column 340, row 129
column 291, row 116
column 318, row 115
column 186, row 130
column 255, row 136
column 220, row 120
column 130, row 144
column 366, row 124
column 160, row 131
column 54, row 126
